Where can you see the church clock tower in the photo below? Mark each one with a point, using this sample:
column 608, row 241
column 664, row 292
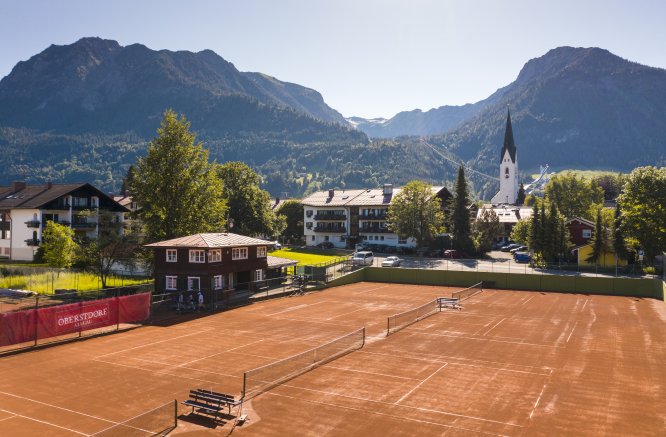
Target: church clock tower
column 508, row 168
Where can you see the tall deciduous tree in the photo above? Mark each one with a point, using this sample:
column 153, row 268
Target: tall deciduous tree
column 572, row 195
column 486, row 230
column 416, row 212
column 59, row 246
column 619, row 245
column 292, row 211
column 249, row 206
column 176, row 187
column 644, row 210
column 460, row 218
column 521, row 232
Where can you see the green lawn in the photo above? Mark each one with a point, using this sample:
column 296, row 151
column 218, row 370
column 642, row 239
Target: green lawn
column 305, row 256
column 45, row 283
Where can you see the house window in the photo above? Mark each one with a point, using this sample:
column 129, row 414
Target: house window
column 381, row 237
column 197, row 256
column 326, row 238
column 193, row 283
column 308, row 225
column 261, row 252
column 313, row 238
column 402, row 241
column 218, row 282
column 171, row 255
column 308, row 213
column 239, row 253
column 587, row 233
column 342, row 238
column 215, row 256
column 172, row 282
column 258, row 275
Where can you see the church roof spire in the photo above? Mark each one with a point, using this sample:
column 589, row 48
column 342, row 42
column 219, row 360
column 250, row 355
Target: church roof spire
column 508, row 139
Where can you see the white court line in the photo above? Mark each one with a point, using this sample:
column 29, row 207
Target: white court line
column 57, row 407
column 169, row 367
column 494, row 326
column 538, row 399
column 212, row 355
column 177, row 375
column 420, row 383
column 531, row 297
column 393, row 416
column 344, row 314
column 10, row 417
column 155, row 342
column 401, row 406
column 586, row 301
column 372, row 289
column 297, row 307
column 572, row 331
column 44, row 422
column 449, row 359
column 328, row 366
column 487, row 339
column 307, row 320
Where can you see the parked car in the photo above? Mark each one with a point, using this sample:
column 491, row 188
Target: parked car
column 500, row 244
column 276, row 245
column 508, row 247
column 519, row 249
column 391, row 261
column 364, row 258
column 452, row 254
column 522, row 257
column 325, row 245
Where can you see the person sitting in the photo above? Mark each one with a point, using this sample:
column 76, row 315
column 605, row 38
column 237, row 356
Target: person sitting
column 201, row 301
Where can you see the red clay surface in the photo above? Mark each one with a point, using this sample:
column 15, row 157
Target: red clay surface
column 508, row 363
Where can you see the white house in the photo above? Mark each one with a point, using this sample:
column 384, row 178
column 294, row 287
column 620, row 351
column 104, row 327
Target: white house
column 347, row 217
column 25, row 210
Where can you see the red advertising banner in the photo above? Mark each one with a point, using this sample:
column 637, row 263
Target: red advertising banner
column 28, row 325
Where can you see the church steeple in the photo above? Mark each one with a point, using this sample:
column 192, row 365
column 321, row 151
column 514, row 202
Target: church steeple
column 508, row 139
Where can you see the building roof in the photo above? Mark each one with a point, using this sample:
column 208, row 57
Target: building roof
column 211, row 240
column 507, row 213
column 508, row 140
column 367, row 197
column 274, row 262
column 23, row 196
column 582, row 221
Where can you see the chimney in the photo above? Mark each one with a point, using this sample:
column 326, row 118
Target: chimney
column 17, row 186
column 388, row 189
column 331, row 193
column 48, row 185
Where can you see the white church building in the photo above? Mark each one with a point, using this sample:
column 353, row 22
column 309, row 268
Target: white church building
column 508, row 168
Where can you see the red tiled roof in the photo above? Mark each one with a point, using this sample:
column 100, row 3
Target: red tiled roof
column 211, row 240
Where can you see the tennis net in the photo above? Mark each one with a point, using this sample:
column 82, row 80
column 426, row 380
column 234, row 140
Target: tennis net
column 468, row 292
column 401, row 320
column 159, row 421
column 262, row 379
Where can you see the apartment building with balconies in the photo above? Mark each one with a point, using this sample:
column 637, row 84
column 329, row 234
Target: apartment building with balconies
column 349, row 217
column 26, row 209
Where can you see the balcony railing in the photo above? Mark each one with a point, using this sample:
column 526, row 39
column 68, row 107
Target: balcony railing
column 330, row 217
column 374, row 230
column 32, row 242
column 372, row 216
column 33, row 223
column 83, row 225
column 330, row 229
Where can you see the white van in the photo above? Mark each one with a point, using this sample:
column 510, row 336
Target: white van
column 364, row 258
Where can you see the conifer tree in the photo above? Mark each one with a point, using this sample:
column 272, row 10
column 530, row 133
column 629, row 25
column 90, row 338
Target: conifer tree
column 619, row 245
column 520, row 196
column 460, row 219
column 598, row 240
column 534, row 242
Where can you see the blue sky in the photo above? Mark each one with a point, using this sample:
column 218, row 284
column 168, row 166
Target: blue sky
column 367, row 57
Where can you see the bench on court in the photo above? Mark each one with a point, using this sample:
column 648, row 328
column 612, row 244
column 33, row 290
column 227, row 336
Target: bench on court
column 210, row 402
column 448, row 302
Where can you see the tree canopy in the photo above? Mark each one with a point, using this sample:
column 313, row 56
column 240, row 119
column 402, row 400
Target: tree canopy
column 574, row 196
column 177, row 188
column 460, row 217
column 643, row 210
column 249, row 206
column 292, row 211
column 59, row 247
column 416, row 212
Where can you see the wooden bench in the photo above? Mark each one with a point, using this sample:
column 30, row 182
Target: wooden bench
column 448, row 302
column 209, row 402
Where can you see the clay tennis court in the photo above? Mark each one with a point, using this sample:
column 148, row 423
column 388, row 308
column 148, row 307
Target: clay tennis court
column 507, row 363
